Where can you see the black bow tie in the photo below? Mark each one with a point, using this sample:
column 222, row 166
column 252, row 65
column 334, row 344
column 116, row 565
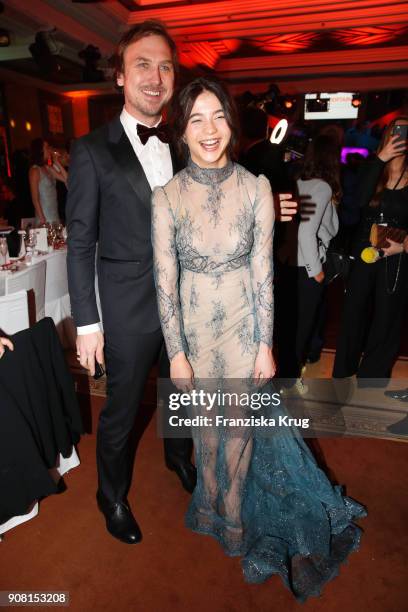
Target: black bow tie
column 161, row 131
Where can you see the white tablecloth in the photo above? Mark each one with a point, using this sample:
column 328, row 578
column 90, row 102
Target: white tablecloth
column 57, row 304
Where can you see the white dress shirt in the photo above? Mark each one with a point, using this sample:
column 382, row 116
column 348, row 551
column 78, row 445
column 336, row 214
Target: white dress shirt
column 156, row 162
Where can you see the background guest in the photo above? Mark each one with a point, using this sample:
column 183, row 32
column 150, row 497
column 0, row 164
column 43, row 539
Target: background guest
column 44, row 172
column 301, row 280
column 381, row 288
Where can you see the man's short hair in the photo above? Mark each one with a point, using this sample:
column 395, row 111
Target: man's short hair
column 150, row 27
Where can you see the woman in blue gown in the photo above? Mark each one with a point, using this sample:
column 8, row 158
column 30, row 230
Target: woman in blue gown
column 262, row 496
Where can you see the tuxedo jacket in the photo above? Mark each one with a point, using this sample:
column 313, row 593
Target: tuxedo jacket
column 108, row 205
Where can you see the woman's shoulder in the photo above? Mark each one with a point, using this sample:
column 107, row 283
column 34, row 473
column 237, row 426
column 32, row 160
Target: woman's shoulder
column 34, row 170
column 171, row 190
column 245, row 174
column 256, row 185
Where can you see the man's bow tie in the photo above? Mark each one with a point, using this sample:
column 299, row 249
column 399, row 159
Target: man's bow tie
column 161, row 131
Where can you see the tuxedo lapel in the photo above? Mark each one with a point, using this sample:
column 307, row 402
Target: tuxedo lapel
column 125, row 157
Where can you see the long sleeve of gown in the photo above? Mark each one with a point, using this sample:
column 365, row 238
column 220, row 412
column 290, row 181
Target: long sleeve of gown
column 261, row 261
column 166, row 271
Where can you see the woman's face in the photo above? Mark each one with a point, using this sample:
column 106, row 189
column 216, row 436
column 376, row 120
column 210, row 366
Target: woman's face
column 207, row 133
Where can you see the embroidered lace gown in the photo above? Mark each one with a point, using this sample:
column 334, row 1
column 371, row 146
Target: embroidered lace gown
column 263, row 498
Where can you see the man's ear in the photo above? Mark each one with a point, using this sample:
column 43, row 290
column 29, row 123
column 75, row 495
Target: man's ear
column 119, row 79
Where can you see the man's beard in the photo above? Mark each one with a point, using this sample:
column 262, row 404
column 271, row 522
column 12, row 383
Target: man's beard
column 146, row 108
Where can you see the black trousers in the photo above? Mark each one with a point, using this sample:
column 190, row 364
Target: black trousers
column 298, row 301
column 129, row 359
column 372, row 318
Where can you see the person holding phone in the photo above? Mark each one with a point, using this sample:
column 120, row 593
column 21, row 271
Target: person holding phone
column 44, row 172
column 377, row 293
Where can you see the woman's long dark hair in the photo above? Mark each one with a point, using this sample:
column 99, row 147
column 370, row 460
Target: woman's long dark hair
column 322, row 161
column 183, row 103
column 386, row 173
column 37, row 152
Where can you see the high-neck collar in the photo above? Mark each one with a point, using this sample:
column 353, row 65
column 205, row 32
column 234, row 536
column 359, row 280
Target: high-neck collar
column 209, row 176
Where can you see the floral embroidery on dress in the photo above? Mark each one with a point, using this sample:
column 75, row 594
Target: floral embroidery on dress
column 194, row 299
column 192, row 343
column 218, row 317
column 218, row 365
column 213, row 203
column 245, row 336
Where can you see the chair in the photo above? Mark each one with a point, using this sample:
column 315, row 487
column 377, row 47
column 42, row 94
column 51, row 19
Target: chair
column 40, row 422
column 32, row 279
column 14, row 312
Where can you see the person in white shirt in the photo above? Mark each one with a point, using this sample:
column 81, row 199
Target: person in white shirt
column 112, row 173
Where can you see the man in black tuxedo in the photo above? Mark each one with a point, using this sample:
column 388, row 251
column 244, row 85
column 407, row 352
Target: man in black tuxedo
column 112, row 173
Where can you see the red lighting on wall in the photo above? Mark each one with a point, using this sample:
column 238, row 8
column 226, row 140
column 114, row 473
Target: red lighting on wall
column 370, row 35
column 285, row 43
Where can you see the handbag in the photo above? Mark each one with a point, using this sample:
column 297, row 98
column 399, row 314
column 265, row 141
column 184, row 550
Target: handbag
column 381, row 233
column 337, row 264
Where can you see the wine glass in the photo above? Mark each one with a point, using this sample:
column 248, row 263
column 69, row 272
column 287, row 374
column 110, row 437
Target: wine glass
column 4, row 253
column 31, row 241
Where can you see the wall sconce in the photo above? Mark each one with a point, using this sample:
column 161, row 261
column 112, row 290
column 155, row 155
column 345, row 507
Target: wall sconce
column 28, row 126
column 12, row 123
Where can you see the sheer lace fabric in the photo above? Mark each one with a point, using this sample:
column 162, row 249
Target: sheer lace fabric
column 262, row 498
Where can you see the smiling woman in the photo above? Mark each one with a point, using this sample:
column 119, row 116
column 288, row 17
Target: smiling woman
column 212, row 235
column 205, row 122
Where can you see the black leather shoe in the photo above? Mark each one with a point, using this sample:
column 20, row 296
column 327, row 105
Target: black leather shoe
column 120, row 521
column 313, row 358
column 402, row 394
column 400, row 428
column 186, row 471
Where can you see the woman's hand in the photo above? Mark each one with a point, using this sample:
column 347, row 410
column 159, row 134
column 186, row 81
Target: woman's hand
column 5, row 342
column 394, row 147
column 319, row 277
column 58, row 171
column 394, row 248
column 265, row 367
column 181, row 373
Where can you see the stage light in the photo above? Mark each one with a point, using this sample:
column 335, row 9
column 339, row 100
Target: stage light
column 280, row 127
column 28, row 126
column 288, row 103
column 356, row 100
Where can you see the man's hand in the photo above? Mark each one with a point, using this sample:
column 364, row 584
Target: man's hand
column 5, row 342
column 319, row 277
column 307, row 208
column 90, row 348
column 405, row 244
column 285, row 207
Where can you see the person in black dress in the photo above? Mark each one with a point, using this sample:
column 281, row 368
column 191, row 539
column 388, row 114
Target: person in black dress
column 379, row 289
